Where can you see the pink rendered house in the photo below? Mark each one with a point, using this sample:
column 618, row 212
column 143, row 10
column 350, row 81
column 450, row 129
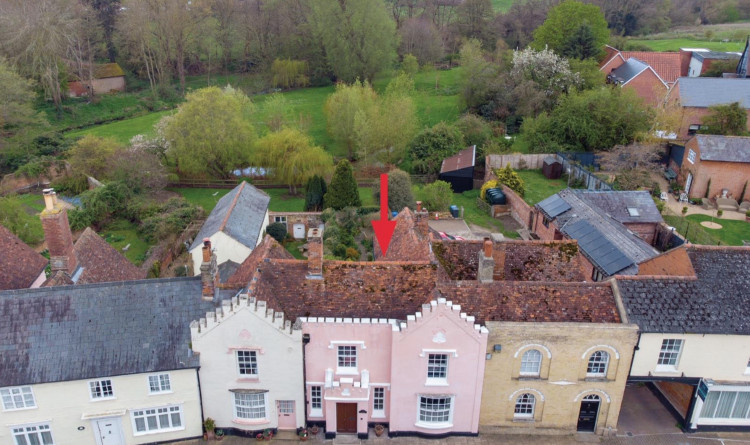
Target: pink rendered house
column 437, row 356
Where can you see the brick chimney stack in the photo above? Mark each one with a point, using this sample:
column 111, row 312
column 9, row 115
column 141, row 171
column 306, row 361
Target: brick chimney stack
column 314, row 254
column 57, row 234
column 486, row 262
column 209, row 271
column 422, row 217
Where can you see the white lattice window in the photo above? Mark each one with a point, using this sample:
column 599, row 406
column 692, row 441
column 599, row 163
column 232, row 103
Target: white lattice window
column 347, row 357
column 159, row 383
column 669, row 355
column 531, row 362
column 598, row 363
column 378, row 402
column 316, row 401
column 39, row 434
column 17, row 397
column 150, row 420
column 247, row 363
column 101, row 389
column 250, row 405
column 524, row 408
column 437, row 367
column 436, row 410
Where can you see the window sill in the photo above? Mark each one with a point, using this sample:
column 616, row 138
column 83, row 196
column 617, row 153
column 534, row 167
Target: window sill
column 523, row 419
column 26, row 408
column 150, row 433
column 248, row 380
column 596, row 379
column 666, row 369
column 159, row 393
column 529, row 377
column 103, row 399
column 436, row 382
column 250, row 421
column 434, row 426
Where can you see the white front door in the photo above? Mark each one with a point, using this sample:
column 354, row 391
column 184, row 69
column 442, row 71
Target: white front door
column 108, row 431
column 299, row 231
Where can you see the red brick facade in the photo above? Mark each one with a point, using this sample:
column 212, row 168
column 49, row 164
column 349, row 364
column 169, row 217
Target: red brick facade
column 723, row 175
column 649, row 87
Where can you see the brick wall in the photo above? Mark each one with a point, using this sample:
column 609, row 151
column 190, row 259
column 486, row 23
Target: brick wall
column 309, row 219
column 647, row 231
column 542, row 231
column 648, row 86
column 723, row 175
column 519, row 210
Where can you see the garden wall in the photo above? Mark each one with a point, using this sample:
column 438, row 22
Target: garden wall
column 519, row 209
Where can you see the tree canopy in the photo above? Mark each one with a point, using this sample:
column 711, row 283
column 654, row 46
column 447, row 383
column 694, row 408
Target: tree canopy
column 211, row 134
column 341, row 109
column 730, row 119
column 573, row 28
column 343, row 190
column 434, row 144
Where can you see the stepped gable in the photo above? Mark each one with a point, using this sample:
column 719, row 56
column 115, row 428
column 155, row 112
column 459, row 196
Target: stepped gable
column 20, row 265
column 383, row 289
column 712, row 302
column 101, row 262
column 554, row 261
column 534, row 302
column 268, row 248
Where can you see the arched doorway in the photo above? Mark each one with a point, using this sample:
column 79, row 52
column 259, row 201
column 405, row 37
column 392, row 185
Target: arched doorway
column 588, row 413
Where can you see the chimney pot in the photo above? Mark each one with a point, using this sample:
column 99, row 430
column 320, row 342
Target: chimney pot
column 49, row 199
column 486, row 262
column 419, row 206
column 206, row 250
column 487, row 246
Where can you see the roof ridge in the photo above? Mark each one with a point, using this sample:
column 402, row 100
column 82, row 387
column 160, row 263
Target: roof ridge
column 231, row 206
column 150, row 281
column 655, row 277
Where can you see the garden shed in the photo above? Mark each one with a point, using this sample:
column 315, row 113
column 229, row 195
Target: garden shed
column 458, row 170
column 552, row 168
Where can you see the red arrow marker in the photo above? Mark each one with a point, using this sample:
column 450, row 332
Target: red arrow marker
column 384, row 228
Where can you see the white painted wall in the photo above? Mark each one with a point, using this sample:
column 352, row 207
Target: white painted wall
column 226, row 248
column 246, row 326
column 719, row 357
column 262, row 232
column 67, row 406
column 695, row 67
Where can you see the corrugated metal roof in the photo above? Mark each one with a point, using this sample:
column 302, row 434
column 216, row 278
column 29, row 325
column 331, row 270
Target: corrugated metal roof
column 597, row 248
column 703, row 92
column 554, row 206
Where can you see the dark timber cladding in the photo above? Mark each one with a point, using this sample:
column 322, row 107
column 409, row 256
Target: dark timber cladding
column 597, row 248
column 458, row 170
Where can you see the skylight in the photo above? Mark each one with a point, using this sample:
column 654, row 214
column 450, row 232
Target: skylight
column 632, row 211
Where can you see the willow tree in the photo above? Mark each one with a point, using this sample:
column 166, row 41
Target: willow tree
column 291, row 157
column 341, row 108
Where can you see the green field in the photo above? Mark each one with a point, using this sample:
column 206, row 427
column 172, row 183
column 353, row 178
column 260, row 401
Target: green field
column 502, row 5
column 676, row 44
column 436, row 98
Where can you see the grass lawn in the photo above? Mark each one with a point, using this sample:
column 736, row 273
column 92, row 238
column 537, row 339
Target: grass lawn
column 293, row 248
column 123, row 130
column 538, row 187
column 32, row 201
column 477, row 216
column 676, row 44
column 206, row 198
column 732, row 231
column 119, row 234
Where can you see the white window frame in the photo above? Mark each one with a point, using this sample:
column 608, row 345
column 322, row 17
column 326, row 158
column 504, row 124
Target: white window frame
column 538, row 370
column 251, row 363
column 316, row 399
column 530, row 400
column 158, row 413
column 435, row 424
column 721, row 402
column 238, row 396
column 348, row 369
column 378, row 397
column 97, row 389
column 279, row 219
column 603, row 358
column 435, row 367
column 162, row 382
column 669, row 358
column 691, row 156
column 13, row 396
column 36, row 429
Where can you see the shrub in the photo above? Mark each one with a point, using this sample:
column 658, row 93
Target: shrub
column 719, row 213
column 352, row 254
column 410, row 65
column 509, row 177
column 476, row 130
column 437, row 196
column 491, row 184
column 684, row 210
column 277, row 231
column 399, row 191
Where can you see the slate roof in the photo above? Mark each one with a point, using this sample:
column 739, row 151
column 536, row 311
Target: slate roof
column 723, row 148
column 666, row 64
column 703, row 92
column 616, row 204
column 535, row 302
column 624, row 240
column 20, row 265
column 79, row 332
column 408, row 242
column 628, row 70
column 713, row 303
column 99, row 262
column 240, row 214
column 553, row 261
column 268, row 248
column 463, row 159
column 716, row 55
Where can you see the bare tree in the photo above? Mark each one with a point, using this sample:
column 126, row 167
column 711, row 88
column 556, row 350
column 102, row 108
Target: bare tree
column 420, row 38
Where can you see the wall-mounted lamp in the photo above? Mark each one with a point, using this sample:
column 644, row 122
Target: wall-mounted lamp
column 497, row 348
column 488, row 356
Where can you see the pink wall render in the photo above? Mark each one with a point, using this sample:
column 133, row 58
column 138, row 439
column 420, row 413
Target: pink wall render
column 440, row 331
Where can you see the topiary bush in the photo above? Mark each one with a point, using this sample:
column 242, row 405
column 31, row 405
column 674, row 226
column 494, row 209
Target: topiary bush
column 277, row 231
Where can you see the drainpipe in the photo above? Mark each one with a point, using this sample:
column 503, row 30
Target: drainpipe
column 305, row 341
column 200, row 395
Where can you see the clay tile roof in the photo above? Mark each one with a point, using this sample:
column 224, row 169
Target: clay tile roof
column 348, row 289
column 666, row 64
column 408, row 242
column 100, row 262
column 20, row 265
column 268, row 248
column 514, row 260
column 537, row 302
column 671, row 263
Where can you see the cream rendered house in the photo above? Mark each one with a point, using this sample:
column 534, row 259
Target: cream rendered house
column 100, row 364
column 694, row 345
column 251, row 367
column 235, row 226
